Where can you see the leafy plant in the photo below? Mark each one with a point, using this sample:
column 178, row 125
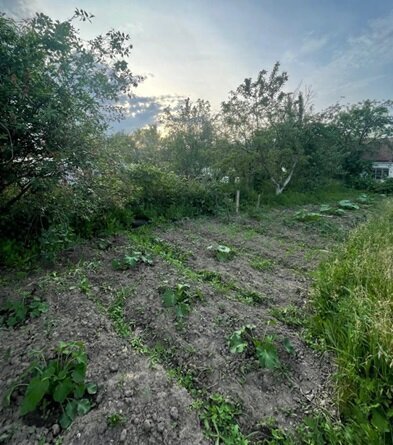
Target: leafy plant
column 348, row 205
column 84, row 285
column 131, row 261
column 239, row 340
column 58, row 387
column 364, row 199
column 115, row 419
column 14, row 313
column 178, row 298
column 305, row 216
column 222, row 253
column 262, row 264
column 218, row 417
column 265, row 349
column 290, row 315
column 326, row 208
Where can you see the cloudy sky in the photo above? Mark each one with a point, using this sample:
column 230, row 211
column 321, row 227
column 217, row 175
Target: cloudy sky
column 342, row 49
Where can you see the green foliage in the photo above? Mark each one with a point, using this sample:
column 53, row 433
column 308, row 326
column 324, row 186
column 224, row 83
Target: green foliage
column 262, row 264
column 290, row 315
column 115, row 419
column 346, row 204
column 16, row 312
column 326, row 208
column 222, row 253
column 218, row 416
column 264, row 349
column 353, row 318
column 306, row 215
column 131, row 261
column 58, row 386
column 178, row 298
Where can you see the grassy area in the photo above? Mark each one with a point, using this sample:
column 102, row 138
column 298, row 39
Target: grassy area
column 353, row 302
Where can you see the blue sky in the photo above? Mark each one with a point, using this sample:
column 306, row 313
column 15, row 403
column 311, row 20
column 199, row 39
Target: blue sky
column 343, row 50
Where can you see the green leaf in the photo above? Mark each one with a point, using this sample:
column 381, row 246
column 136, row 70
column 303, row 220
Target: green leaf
column 267, row 355
column 236, row 343
column 65, row 421
column 131, row 261
column 83, row 407
column 79, row 391
column 36, row 390
column 79, row 373
column 62, row 390
column 91, row 388
column 288, row 346
column 182, row 310
column 380, row 421
column 169, row 298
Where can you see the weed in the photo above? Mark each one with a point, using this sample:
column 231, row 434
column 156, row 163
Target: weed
column 15, row 313
column 305, row 216
column 116, row 313
column 57, row 387
column 115, row 419
column 84, row 285
column 218, row 419
column 353, row 317
column 262, row 264
column 290, row 315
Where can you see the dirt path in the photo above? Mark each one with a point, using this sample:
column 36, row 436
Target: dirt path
column 156, row 371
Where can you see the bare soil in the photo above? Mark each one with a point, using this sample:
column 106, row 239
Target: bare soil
column 136, row 371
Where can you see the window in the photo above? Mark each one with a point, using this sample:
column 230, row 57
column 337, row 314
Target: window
column 381, row 173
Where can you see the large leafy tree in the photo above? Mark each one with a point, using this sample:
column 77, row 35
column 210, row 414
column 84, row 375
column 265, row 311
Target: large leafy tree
column 267, row 122
column 57, row 93
column 190, row 136
column 359, row 128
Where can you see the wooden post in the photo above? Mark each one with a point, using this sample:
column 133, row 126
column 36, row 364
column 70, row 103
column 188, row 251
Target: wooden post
column 259, row 201
column 237, row 201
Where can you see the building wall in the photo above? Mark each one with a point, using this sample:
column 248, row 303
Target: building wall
column 388, row 165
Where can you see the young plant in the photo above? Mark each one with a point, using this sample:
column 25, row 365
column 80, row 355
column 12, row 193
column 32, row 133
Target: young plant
column 222, row 253
column 115, row 419
column 178, row 298
column 326, row 208
column 264, row 349
column 14, row 313
column 261, row 264
column 306, row 216
column 131, row 261
column 348, row 205
column 58, row 387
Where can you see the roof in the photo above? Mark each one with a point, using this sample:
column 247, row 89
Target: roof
column 381, row 152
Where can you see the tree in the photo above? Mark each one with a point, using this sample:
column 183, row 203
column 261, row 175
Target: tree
column 190, row 136
column 359, row 128
column 267, row 123
column 57, row 93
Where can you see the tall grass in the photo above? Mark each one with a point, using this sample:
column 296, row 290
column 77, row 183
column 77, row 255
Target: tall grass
column 353, row 302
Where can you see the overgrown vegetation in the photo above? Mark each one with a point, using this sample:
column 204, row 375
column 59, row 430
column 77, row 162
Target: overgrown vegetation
column 353, row 318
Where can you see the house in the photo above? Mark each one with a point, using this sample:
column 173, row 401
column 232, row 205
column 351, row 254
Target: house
column 381, row 158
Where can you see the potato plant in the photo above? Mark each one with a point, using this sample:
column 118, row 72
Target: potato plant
column 58, row 387
column 265, row 349
column 15, row 313
column 179, row 298
column 131, row 261
column 221, row 252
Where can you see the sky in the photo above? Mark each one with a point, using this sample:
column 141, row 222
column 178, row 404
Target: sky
column 341, row 49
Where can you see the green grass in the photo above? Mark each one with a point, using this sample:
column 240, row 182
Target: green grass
column 353, row 303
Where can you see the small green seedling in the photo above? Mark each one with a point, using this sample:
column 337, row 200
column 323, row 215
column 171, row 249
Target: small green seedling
column 131, row 261
column 178, row 298
column 262, row 264
column 222, row 253
column 348, row 205
column 115, row 419
column 58, row 387
column 15, row 313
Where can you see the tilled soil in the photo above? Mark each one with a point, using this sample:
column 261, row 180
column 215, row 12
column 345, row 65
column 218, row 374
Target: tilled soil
column 135, row 369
